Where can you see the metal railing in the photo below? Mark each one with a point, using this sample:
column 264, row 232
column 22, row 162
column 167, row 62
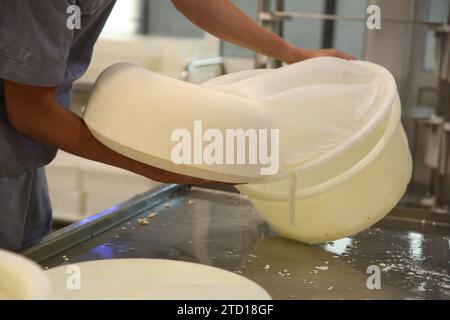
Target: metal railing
column 273, row 20
column 199, row 63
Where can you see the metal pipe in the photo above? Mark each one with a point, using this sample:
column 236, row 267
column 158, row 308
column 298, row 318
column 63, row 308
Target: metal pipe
column 279, row 6
column 328, row 25
column 448, row 19
column 144, row 17
column 321, row 16
column 279, row 30
column 264, row 6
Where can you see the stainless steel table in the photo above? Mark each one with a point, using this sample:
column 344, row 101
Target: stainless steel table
column 222, row 229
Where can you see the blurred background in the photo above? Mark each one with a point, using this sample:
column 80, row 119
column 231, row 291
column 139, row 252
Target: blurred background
column 413, row 44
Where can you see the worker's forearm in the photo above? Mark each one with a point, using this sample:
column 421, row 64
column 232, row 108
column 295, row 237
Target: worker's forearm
column 54, row 125
column 68, row 132
column 224, row 20
column 34, row 112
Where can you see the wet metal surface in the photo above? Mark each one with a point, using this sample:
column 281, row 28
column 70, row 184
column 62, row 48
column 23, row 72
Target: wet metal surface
column 222, row 229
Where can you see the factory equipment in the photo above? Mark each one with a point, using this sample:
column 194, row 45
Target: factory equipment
column 437, row 125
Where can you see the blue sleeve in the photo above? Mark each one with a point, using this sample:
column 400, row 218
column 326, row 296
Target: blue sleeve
column 34, row 41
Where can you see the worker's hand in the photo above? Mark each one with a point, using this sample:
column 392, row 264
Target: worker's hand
column 297, row 54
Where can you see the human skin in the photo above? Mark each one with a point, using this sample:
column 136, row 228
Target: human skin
column 33, row 111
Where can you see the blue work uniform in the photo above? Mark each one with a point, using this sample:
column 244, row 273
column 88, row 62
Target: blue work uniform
column 38, row 47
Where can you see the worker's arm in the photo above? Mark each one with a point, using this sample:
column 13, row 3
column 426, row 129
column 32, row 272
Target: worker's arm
column 224, row 20
column 34, row 112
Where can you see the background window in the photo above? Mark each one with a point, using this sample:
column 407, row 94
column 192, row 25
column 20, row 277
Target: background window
column 350, row 36
column 161, row 18
column 124, row 19
column 165, row 20
column 154, row 17
column 306, row 33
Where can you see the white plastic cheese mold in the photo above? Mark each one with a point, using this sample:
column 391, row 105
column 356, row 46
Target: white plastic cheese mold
column 344, row 157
